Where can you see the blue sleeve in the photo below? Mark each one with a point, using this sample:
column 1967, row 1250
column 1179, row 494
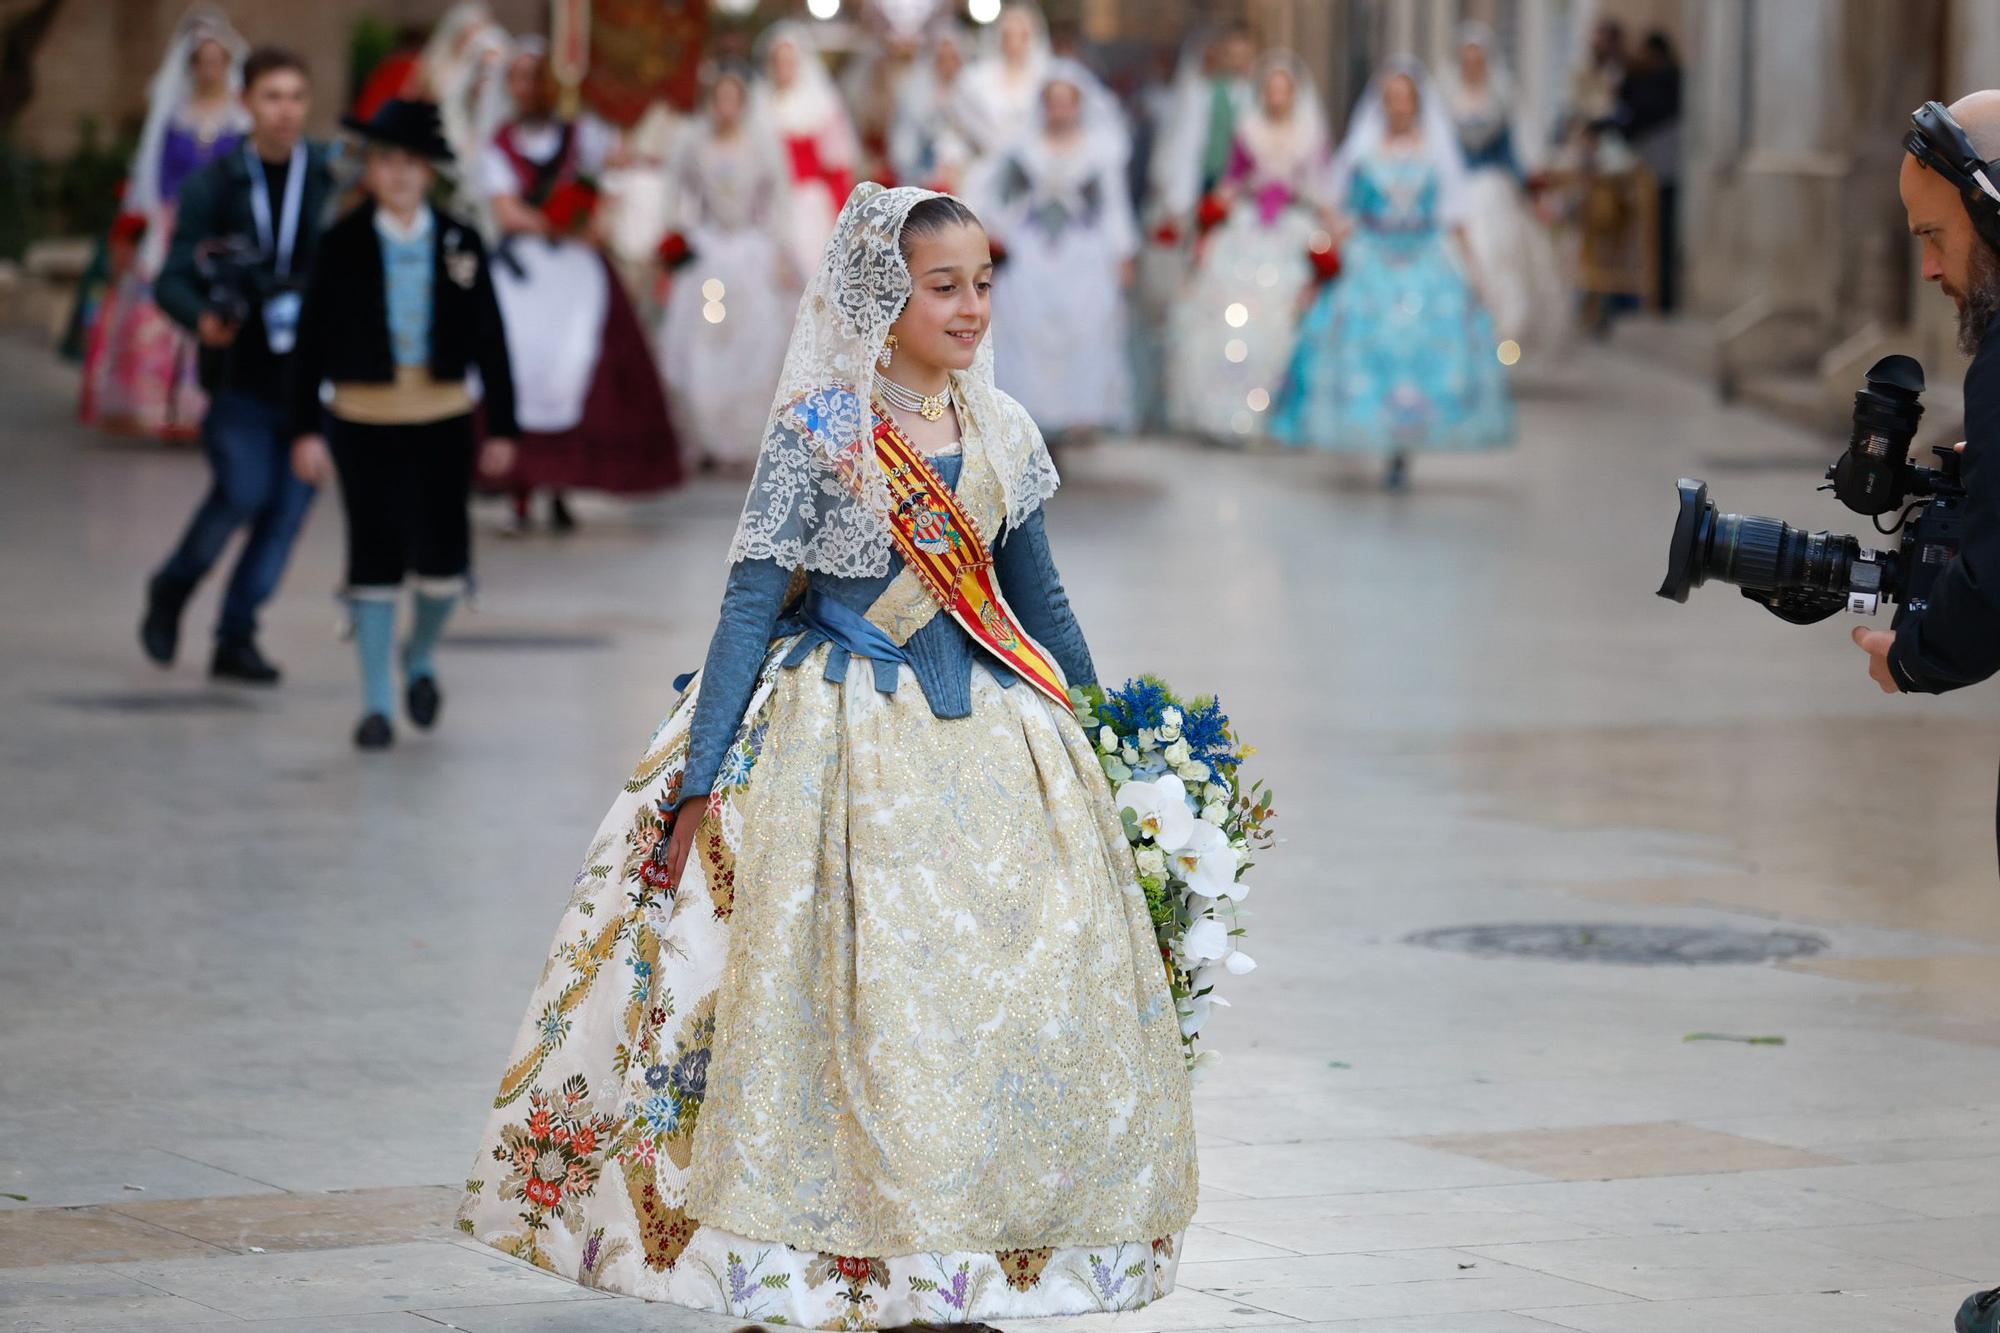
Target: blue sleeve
column 1509, row 159
column 750, row 606
column 1031, row 585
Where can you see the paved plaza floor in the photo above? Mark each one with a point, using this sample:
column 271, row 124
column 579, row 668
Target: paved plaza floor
column 256, row 989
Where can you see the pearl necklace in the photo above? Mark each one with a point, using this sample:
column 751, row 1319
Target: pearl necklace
column 928, row 406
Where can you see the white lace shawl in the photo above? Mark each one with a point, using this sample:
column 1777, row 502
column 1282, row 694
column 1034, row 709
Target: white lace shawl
column 818, row 501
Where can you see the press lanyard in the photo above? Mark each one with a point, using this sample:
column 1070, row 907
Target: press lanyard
column 260, row 205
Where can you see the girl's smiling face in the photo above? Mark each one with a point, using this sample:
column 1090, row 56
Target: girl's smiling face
column 951, row 303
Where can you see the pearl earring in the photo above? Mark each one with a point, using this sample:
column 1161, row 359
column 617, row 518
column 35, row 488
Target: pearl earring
column 888, row 353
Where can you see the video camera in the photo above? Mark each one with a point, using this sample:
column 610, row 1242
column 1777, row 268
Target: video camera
column 1804, row 577
column 239, row 277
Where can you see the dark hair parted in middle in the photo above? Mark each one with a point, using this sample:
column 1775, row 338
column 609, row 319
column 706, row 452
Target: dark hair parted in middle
column 933, row 216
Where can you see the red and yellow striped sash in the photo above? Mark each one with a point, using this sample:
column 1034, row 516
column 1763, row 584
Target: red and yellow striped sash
column 942, row 545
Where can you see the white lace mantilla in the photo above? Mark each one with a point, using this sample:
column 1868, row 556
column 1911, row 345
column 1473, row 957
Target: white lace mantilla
column 812, row 505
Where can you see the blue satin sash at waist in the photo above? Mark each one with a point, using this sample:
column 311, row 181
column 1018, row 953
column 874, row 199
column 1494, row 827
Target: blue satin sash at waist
column 1416, row 226
column 822, row 619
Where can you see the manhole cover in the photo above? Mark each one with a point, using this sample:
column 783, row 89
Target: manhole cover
column 1637, row 945
column 142, row 702
column 527, row 641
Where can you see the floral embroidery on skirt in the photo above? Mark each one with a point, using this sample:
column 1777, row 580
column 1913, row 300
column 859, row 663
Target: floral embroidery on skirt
column 856, row 1078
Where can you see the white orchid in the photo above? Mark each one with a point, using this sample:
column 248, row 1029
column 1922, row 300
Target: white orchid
column 1206, row 941
column 1162, row 810
column 1207, row 862
column 1194, row 1012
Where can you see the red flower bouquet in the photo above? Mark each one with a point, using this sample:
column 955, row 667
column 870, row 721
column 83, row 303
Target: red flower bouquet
column 1324, row 256
column 1209, row 214
column 570, row 206
column 674, row 250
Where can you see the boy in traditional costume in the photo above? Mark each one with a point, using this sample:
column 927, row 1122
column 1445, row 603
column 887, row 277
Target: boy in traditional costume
column 400, row 309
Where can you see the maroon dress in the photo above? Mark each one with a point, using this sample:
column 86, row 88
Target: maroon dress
column 624, row 443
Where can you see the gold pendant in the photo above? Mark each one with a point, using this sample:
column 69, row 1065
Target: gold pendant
column 931, row 408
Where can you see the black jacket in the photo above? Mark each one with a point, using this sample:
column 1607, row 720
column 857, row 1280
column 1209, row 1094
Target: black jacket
column 344, row 328
column 215, row 205
column 1955, row 640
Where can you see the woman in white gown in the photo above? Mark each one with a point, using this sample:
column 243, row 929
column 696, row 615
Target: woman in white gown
column 1230, row 337
column 856, row 1016
column 997, row 92
column 462, row 71
column 1512, row 251
column 929, row 145
column 1057, row 201
column 722, row 336
column 798, row 100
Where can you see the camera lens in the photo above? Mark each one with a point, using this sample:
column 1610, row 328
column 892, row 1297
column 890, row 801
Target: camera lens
column 1750, row 551
column 1685, row 552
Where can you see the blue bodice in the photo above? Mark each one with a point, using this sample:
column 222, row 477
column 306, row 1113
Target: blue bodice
column 940, row 655
column 1394, row 193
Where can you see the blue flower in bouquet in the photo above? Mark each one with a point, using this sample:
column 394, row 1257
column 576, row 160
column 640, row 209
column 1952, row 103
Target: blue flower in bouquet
column 1138, row 706
column 1205, row 728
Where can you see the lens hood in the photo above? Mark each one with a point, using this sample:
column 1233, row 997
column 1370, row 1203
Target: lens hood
column 1683, row 561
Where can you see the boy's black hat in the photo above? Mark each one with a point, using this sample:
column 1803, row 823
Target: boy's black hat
column 407, row 124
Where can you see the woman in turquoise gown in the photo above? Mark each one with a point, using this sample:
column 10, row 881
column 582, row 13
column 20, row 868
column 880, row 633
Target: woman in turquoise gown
column 1398, row 353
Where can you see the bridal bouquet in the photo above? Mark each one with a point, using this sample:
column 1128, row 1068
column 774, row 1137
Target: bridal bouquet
column 1193, row 829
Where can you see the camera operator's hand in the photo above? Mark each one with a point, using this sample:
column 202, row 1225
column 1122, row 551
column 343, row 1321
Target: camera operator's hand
column 311, row 463
column 496, row 456
column 1877, row 643
column 214, row 330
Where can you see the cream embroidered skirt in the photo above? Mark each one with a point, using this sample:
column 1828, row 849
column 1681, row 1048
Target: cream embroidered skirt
column 898, row 1048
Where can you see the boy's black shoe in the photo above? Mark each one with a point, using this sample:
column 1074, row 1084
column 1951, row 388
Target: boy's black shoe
column 423, row 699
column 374, row 733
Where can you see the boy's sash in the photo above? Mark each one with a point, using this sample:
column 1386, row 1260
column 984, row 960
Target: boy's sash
column 941, row 544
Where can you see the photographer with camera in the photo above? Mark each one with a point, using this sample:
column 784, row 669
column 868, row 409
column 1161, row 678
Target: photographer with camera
column 244, row 241
column 1950, row 185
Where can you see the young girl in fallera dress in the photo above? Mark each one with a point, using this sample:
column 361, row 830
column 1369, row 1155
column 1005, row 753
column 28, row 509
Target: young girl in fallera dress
column 855, row 1017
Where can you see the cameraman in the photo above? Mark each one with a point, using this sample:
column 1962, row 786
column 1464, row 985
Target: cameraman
column 1955, row 640
column 267, row 203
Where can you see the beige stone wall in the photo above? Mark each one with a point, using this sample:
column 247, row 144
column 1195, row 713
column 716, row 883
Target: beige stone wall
column 100, row 54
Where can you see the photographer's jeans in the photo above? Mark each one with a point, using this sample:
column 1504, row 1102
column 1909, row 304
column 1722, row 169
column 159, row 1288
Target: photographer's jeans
column 253, row 486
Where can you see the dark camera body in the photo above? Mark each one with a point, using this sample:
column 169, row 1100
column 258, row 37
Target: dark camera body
column 239, row 276
column 1805, row 577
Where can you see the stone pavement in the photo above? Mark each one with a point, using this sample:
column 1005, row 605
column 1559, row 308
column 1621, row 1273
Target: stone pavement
column 257, row 989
